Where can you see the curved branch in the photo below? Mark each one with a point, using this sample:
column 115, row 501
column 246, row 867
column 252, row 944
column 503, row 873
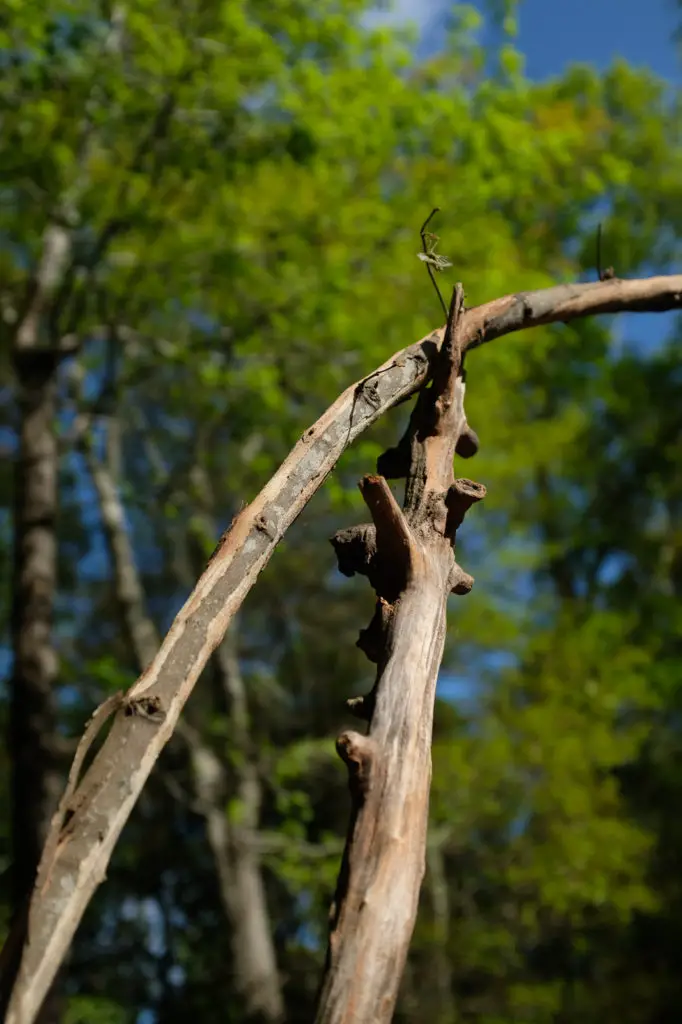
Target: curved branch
column 566, row 302
column 105, row 797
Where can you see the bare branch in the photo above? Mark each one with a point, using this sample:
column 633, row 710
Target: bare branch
column 567, row 302
column 107, row 793
column 234, row 851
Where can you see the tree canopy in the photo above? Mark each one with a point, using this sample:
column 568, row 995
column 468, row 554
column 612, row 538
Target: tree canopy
column 237, row 189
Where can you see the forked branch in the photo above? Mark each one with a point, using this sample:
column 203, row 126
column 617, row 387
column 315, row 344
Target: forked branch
column 76, row 857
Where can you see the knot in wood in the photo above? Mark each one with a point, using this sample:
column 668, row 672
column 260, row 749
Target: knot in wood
column 461, row 495
column 460, row 581
column 266, row 526
column 358, row 752
column 355, row 548
column 467, row 443
column 150, row 708
column 372, row 640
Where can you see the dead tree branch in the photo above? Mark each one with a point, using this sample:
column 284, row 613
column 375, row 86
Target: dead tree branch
column 412, row 569
column 107, row 793
column 235, row 853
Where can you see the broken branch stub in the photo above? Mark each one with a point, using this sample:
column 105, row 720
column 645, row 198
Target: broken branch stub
column 408, row 556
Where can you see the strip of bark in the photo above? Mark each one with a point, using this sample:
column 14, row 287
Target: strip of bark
column 109, row 790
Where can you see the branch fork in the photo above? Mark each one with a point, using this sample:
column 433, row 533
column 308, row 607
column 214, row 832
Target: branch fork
column 123, row 764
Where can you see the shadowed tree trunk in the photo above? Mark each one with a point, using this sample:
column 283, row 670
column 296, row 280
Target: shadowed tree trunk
column 440, row 909
column 32, row 718
column 36, row 784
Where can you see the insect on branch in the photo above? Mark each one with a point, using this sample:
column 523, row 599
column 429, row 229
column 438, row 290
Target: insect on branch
column 433, row 260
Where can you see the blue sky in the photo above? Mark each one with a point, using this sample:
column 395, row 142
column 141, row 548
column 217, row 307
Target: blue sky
column 554, row 33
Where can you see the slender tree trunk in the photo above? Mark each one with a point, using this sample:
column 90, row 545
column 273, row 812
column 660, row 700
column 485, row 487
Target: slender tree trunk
column 36, row 784
column 241, row 881
column 232, row 841
column 234, row 844
column 244, row 888
column 440, row 908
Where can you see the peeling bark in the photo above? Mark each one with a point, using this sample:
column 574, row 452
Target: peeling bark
column 74, row 866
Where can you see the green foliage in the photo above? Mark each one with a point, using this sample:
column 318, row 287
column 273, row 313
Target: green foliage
column 243, row 183
column 82, row 1010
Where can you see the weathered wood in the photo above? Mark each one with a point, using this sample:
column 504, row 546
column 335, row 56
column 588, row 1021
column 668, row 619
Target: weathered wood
column 108, row 792
column 235, row 853
column 412, row 567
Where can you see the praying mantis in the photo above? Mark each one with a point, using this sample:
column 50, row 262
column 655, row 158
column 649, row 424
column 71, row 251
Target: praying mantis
column 467, row 442
column 433, row 259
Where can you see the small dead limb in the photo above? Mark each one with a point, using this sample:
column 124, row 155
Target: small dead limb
column 461, row 582
column 359, row 754
column 372, row 640
column 395, row 552
column 467, row 443
column 460, row 496
column 355, row 548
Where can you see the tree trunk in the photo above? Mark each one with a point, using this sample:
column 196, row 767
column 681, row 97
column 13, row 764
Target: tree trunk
column 234, row 839
column 240, row 875
column 442, row 965
column 409, row 559
column 35, row 785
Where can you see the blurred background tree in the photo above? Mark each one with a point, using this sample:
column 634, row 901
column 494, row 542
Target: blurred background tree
column 237, row 189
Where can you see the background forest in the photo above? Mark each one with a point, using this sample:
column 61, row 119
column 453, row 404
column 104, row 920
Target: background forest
column 230, row 193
